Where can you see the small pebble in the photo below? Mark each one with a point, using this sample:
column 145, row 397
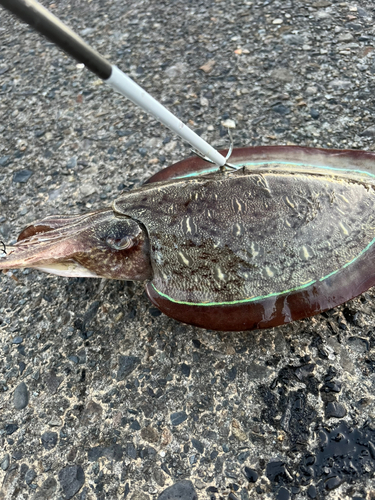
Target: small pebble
column 334, row 409
column 72, row 162
column 142, row 151
column 229, row 123
column 332, row 483
column 21, row 396
column 17, row 455
column 369, row 132
column 22, row 176
column 135, row 426
column 5, row 462
column 10, row 429
column 71, row 480
column 183, row 490
column 345, row 37
column 30, row 476
column 185, row 370
column 208, row 66
column 311, row 492
column 55, row 422
column 22, row 367
column 74, row 359
column 251, row 475
column 178, row 417
column 49, row 440
column 282, row 494
column 198, row 445
column 4, row 161
column 281, row 109
column 127, row 364
column 311, row 90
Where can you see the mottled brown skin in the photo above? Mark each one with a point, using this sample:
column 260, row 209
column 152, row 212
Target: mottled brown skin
column 88, row 240
column 274, row 232
column 274, row 312
column 303, row 227
column 282, row 239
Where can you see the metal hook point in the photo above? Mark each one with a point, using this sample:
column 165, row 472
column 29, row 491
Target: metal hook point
column 4, row 249
column 230, row 151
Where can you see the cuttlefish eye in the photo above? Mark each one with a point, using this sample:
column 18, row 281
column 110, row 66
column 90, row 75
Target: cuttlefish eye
column 119, row 233
column 123, row 243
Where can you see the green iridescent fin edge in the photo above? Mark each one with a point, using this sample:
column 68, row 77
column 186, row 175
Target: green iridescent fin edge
column 262, row 297
column 275, row 162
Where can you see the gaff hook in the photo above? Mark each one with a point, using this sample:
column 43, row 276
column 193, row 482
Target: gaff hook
column 226, row 164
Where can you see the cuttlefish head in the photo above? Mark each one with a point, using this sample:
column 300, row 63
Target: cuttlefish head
column 97, row 244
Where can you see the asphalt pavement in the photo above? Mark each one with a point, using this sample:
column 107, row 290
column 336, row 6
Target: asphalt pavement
column 103, row 397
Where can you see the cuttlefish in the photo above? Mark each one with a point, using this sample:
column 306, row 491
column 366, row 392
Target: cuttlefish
column 288, row 234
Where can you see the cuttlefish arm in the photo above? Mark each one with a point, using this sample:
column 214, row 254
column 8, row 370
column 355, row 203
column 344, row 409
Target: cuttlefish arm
column 97, row 244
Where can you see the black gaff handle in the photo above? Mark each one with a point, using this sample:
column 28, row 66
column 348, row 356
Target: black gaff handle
column 34, row 14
